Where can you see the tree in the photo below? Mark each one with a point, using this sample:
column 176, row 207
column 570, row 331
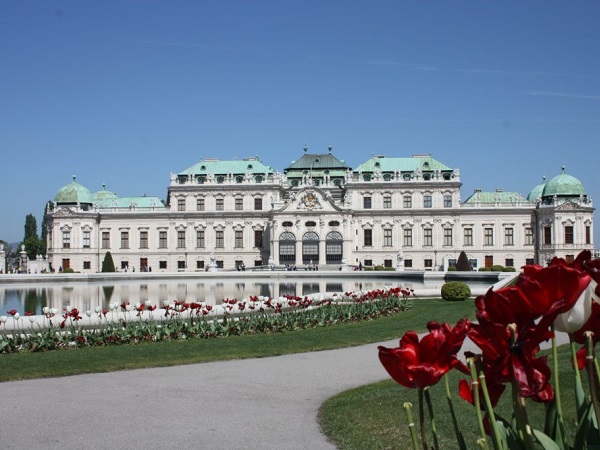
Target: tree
column 108, row 265
column 31, row 241
column 463, row 264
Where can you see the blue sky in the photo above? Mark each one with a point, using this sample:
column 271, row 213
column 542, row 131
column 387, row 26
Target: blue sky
column 126, row 92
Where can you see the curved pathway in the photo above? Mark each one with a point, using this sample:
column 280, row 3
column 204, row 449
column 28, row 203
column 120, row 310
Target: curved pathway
column 267, row 403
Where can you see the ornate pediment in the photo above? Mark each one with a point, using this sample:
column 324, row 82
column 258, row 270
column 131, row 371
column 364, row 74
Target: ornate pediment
column 309, row 200
column 64, row 212
column 567, row 206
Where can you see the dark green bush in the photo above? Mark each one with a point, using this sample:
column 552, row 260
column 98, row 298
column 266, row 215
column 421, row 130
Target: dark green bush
column 509, row 269
column 108, row 264
column 455, row 291
column 484, row 269
column 452, row 269
column 497, row 268
column 463, row 264
column 68, row 270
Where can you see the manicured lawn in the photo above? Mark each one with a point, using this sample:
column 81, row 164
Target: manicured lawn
column 105, row 359
column 373, row 416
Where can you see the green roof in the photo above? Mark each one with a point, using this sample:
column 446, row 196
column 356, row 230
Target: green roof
column 563, row 185
column 104, row 195
column 536, row 192
column 424, row 163
column 128, row 202
column 74, row 193
column 495, row 197
column 218, row 167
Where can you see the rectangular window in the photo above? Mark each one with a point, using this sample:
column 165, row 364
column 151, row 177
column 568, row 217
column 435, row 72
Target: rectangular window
column 86, row 239
column 87, row 265
column 239, row 239
column 528, row 236
column 368, row 237
column 200, row 239
column 162, row 239
column 509, row 236
column 428, row 263
column 387, row 238
column 105, row 239
column 588, row 234
column 367, row 202
column 387, row 263
column 427, row 201
column 488, row 236
column 547, row 235
column 428, row 237
column 219, row 239
column 408, row 263
column 180, row 238
column 258, row 203
column 447, row 201
column 368, row 262
column 509, row 262
column 258, row 237
column 124, row 239
column 407, row 201
column 387, row 201
column 407, row 238
column 199, row 264
column 66, row 238
column 473, row 263
column 239, row 203
column 447, row 236
column 200, row 204
column 220, row 204
column 143, row 239
column 181, row 204
column 569, row 239
column 181, row 265
column 529, row 261
column 468, row 236
column 162, row 264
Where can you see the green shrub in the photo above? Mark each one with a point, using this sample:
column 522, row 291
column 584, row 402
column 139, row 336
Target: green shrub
column 497, row 268
column 108, row 265
column 509, row 269
column 452, row 269
column 68, row 270
column 455, row 291
column 463, row 264
column 484, row 269
column 379, row 268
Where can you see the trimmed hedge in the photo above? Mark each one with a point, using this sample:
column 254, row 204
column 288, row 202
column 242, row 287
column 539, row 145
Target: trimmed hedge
column 455, row 291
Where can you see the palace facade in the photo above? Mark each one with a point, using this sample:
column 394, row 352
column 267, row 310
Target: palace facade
column 318, row 212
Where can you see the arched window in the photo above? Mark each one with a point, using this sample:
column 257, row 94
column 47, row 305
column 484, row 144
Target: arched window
column 287, row 248
column 334, row 248
column 310, row 248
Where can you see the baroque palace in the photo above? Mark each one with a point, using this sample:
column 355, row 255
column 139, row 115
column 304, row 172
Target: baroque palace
column 318, row 212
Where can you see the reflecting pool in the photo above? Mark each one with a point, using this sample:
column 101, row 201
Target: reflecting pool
column 86, row 295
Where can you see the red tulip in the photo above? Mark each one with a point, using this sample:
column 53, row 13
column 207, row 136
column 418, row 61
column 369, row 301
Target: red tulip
column 418, row 364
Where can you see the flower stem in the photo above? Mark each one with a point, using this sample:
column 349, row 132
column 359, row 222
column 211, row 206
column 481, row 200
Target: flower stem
column 591, row 364
column 459, row 437
column 496, row 438
column 475, row 387
column 411, row 425
column 520, row 409
column 559, row 411
column 431, row 418
column 422, row 421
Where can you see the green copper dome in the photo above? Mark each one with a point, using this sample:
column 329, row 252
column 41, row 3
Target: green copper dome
column 104, row 196
column 74, row 193
column 563, row 185
column 537, row 191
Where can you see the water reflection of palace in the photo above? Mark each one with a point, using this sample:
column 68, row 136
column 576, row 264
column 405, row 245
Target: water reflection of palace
column 86, row 296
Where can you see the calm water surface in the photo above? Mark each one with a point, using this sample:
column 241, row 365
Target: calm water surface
column 87, row 295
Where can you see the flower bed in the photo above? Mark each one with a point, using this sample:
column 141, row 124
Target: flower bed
column 127, row 324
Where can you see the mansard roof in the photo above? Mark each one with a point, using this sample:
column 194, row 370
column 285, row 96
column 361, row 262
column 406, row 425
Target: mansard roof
column 317, row 161
column 224, row 167
column 424, row 163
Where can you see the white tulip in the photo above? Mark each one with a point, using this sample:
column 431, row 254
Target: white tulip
column 3, row 319
column 17, row 316
column 577, row 316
